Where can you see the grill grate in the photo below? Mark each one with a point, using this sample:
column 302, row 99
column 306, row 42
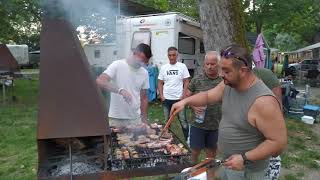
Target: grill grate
column 148, row 158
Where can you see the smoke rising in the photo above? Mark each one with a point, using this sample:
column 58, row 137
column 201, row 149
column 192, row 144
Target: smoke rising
column 96, row 18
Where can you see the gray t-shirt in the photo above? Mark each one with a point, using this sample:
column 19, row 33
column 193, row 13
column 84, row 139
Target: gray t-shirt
column 236, row 134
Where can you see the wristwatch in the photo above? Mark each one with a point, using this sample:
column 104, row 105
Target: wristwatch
column 246, row 161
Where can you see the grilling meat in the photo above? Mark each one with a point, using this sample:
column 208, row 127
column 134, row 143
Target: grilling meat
column 153, row 137
column 145, row 137
column 155, row 126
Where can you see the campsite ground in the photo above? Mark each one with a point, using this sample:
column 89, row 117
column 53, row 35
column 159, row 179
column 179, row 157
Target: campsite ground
column 18, row 152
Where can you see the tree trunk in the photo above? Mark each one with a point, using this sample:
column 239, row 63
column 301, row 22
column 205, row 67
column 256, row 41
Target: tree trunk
column 258, row 23
column 222, row 23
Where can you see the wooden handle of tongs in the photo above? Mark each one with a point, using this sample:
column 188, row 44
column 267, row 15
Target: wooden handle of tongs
column 166, row 127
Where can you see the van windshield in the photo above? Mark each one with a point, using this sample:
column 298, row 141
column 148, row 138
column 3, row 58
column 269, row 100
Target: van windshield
column 141, row 37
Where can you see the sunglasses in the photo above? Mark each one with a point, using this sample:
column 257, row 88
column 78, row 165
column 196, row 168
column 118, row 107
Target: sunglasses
column 229, row 54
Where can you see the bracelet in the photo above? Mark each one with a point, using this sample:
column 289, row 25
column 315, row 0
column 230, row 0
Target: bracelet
column 119, row 90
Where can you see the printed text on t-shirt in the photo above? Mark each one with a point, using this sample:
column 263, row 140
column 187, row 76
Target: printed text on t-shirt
column 173, row 72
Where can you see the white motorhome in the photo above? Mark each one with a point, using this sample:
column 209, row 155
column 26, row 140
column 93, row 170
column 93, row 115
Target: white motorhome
column 161, row 31
column 100, row 55
column 20, row 53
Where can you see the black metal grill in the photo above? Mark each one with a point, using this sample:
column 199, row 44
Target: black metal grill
column 148, row 158
column 84, row 161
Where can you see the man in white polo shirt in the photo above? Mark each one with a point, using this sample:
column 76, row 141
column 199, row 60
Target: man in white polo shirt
column 172, row 85
column 128, row 83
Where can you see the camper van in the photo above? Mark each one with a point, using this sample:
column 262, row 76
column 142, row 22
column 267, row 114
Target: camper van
column 100, row 55
column 20, row 53
column 161, row 31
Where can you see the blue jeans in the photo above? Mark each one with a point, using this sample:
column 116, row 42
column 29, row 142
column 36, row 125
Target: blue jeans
column 167, row 104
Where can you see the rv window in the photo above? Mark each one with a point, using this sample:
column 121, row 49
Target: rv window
column 97, row 54
column 140, row 37
column 186, row 44
column 202, row 48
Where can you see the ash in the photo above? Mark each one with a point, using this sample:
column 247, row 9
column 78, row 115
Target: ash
column 77, row 167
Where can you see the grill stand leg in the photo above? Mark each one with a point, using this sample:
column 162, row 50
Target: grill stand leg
column 70, row 156
column 105, row 149
column 3, row 92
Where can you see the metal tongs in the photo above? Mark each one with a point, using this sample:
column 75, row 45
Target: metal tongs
column 166, row 127
column 202, row 167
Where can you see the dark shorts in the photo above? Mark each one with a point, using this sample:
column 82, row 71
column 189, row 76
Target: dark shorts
column 200, row 138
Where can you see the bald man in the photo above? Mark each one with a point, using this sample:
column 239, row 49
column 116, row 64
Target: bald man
column 203, row 133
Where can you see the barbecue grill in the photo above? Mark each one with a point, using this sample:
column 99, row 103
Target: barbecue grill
column 74, row 137
column 9, row 70
column 8, row 64
column 148, row 158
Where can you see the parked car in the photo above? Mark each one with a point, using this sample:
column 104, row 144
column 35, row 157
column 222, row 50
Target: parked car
column 308, row 68
column 306, row 64
column 34, row 58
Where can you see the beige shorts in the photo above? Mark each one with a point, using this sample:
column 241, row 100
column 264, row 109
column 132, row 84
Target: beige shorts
column 123, row 122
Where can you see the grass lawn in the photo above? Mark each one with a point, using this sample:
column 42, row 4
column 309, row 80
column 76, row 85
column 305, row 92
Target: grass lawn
column 18, row 152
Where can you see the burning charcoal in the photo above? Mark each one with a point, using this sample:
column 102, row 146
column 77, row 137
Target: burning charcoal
column 77, row 167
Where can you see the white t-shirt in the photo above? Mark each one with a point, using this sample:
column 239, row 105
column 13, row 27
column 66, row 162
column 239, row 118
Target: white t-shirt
column 172, row 76
column 131, row 79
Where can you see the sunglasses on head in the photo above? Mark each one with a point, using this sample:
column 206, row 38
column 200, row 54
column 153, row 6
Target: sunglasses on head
column 229, row 54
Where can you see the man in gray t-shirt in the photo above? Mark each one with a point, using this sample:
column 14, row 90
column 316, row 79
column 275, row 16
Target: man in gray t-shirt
column 252, row 126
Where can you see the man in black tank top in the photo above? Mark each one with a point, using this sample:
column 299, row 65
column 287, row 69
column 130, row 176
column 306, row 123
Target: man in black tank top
column 252, row 127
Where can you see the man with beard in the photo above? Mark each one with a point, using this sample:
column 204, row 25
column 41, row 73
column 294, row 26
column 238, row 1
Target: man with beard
column 128, row 83
column 252, row 127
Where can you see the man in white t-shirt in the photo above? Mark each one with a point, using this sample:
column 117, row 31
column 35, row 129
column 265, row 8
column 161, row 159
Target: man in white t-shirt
column 128, row 83
column 172, row 85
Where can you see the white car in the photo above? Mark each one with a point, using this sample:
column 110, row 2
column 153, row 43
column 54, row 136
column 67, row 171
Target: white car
column 305, row 65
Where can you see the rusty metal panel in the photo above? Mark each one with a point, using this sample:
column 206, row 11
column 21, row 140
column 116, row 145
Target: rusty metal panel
column 70, row 103
column 7, row 62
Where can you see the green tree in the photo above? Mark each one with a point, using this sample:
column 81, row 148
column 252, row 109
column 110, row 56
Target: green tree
column 299, row 19
column 20, row 22
column 187, row 7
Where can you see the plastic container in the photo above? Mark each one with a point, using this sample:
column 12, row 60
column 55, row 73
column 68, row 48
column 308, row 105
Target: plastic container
column 310, row 110
column 200, row 117
column 307, row 119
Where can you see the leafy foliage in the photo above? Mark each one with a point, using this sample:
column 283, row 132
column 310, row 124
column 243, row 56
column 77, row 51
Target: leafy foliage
column 20, row 22
column 187, row 7
column 293, row 21
column 298, row 19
